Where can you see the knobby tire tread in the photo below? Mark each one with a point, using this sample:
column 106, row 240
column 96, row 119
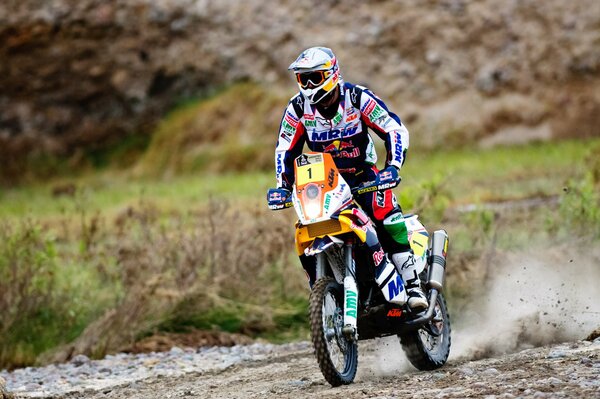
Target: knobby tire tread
column 417, row 354
column 318, row 336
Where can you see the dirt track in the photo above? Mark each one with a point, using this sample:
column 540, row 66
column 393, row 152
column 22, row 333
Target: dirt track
column 568, row 370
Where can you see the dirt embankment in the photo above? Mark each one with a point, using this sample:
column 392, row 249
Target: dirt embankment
column 77, row 76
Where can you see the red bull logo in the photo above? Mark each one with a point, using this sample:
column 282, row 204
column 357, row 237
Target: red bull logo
column 338, row 145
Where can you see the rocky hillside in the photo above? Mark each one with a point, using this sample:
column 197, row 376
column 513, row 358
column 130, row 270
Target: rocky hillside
column 79, row 75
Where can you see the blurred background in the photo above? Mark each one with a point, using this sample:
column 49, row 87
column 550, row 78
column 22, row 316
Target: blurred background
column 137, row 143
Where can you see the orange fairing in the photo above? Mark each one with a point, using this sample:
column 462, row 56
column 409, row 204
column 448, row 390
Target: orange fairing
column 314, row 180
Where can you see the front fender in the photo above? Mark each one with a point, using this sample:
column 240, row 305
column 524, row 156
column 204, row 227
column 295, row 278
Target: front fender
column 349, row 221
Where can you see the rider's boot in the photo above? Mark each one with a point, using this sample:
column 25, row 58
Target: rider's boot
column 390, row 282
column 409, row 268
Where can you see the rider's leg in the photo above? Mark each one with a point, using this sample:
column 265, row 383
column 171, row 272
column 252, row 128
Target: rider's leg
column 409, row 266
column 384, row 210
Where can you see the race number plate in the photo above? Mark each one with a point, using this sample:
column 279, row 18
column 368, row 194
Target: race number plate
column 310, row 168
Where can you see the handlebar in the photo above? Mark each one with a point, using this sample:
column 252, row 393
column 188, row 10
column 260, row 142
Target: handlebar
column 374, row 185
column 280, row 198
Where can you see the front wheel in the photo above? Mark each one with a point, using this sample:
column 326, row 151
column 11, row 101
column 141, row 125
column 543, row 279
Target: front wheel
column 337, row 356
column 428, row 347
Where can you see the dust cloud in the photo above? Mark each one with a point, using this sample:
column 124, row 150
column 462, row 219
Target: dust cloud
column 529, row 300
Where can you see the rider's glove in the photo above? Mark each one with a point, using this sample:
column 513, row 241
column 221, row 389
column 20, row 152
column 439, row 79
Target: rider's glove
column 277, row 197
column 388, row 175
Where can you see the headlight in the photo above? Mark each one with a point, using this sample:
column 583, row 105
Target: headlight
column 312, row 191
column 312, row 209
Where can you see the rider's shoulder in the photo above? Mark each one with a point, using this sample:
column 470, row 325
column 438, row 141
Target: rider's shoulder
column 355, row 91
column 297, row 104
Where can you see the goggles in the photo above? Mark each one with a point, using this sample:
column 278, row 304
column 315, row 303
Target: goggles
column 309, row 80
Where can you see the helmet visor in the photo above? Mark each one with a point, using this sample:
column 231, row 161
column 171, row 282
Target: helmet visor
column 309, row 80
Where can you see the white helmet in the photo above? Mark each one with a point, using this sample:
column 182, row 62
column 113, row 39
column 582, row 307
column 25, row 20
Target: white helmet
column 317, row 73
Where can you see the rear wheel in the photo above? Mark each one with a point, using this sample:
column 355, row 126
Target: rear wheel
column 428, row 347
column 337, row 356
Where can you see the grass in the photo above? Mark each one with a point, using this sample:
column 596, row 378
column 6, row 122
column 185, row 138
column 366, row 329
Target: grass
column 468, row 176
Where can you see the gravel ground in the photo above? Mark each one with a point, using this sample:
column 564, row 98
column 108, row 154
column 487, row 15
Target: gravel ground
column 569, row 370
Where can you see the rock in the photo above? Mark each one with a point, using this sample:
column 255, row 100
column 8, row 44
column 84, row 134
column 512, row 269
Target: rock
column 176, row 350
column 556, row 354
column 80, row 360
column 490, row 372
column 3, row 393
column 594, row 335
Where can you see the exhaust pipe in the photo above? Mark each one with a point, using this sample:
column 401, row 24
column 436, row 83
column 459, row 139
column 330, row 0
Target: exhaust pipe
column 437, row 268
column 435, row 278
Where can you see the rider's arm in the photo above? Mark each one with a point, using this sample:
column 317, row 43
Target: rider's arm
column 289, row 146
column 387, row 125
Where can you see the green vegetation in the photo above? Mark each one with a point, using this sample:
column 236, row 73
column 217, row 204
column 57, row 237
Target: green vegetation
column 226, row 132
column 183, row 240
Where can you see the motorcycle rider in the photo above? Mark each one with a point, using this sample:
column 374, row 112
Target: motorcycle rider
column 334, row 116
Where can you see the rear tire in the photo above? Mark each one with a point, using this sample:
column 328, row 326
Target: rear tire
column 424, row 350
column 336, row 355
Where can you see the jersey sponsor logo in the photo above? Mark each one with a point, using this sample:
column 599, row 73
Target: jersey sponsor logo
column 287, row 128
column 289, row 118
column 279, row 162
column 310, row 123
column 337, row 119
column 309, row 117
column 334, row 134
column 398, row 150
column 376, row 113
column 383, row 121
column 353, row 95
column 368, row 107
column 287, row 137
column 338, row 145
column 351, row 117
column 345, row 154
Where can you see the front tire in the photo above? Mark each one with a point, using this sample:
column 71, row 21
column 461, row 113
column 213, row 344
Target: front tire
column 425, row 350
column 337, row 356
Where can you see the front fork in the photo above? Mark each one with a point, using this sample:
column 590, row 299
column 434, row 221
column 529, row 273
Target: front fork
column 350, row 293
column 350, row 305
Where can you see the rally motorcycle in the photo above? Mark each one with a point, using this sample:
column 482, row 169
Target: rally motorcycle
column 346, row 303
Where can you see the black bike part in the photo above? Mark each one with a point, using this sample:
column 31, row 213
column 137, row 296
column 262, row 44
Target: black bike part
column 326, row 333
column 427, row 351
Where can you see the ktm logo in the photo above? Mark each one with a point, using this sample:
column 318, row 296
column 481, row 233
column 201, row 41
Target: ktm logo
column 394, row 313
column 351, row 118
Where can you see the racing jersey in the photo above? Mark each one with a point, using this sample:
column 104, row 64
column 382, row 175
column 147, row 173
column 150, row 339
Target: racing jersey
column 345, row 136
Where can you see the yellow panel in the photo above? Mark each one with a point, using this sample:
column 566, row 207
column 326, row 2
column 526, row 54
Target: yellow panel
column 418, row 243
column 314, row 172
column 323, row 228
column 347, row 220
